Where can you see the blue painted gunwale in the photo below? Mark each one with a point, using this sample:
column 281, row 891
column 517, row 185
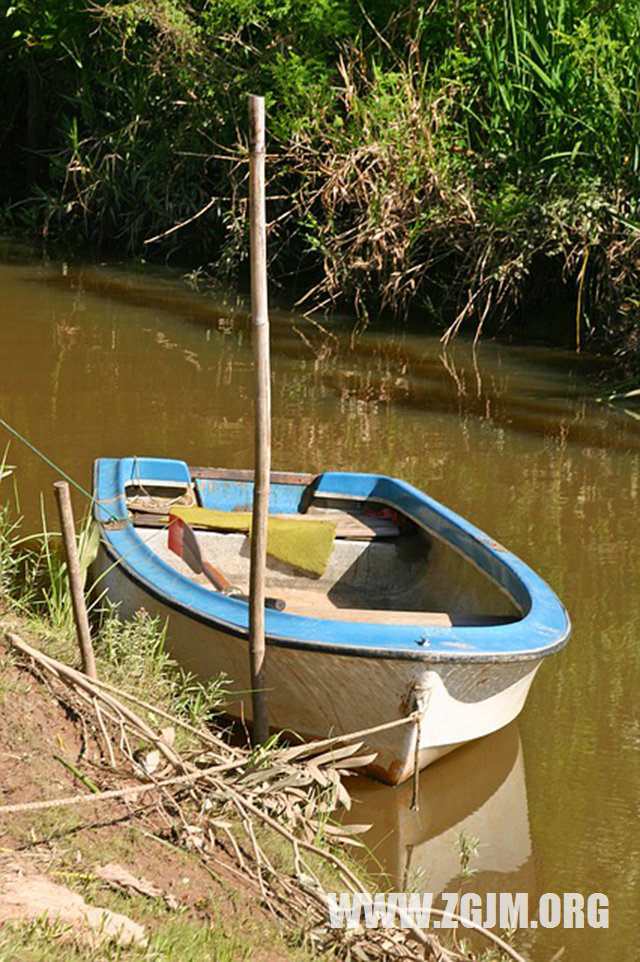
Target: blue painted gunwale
column 543, row 629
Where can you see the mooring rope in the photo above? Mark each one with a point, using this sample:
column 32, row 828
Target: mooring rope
column 44, row 457
column 55, row 467
column 100, row 503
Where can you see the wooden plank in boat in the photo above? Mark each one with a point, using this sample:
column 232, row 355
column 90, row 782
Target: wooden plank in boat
column 389, row 616
column 386, row 616
column 348, row 526
column 239, row 474
column 352, row 525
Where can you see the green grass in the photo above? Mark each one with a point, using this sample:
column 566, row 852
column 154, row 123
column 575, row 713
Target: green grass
column 171, row 936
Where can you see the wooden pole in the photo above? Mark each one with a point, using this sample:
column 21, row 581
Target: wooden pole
column 262, row 442
column 81, row 619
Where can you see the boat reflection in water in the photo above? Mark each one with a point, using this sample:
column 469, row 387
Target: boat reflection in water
column 478, row 792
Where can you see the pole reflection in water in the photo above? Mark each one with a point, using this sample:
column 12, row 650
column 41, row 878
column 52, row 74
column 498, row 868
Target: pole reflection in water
column 478, row 792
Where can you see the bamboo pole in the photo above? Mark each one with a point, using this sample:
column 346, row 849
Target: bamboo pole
column 262, row 442
column 80, row 616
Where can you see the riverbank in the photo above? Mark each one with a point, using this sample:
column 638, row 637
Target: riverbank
column 229, row 859
column 475, row 166
column 118, row 855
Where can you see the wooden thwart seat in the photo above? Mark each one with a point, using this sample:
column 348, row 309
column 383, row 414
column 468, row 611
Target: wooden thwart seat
column 315, row 604
column 386, row 616
column 353, row 525
column 349, row 525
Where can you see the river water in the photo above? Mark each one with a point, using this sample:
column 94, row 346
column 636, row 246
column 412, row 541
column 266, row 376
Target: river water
column 101, row 361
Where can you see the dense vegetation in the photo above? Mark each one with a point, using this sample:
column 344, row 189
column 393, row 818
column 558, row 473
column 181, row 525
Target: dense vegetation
column 458, row 158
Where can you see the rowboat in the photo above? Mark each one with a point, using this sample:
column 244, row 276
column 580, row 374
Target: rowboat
column 404, row 618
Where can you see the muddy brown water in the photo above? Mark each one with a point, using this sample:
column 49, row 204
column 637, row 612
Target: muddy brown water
column 101, row 361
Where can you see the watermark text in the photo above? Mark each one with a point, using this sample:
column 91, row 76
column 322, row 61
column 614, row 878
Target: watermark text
column 504, row 910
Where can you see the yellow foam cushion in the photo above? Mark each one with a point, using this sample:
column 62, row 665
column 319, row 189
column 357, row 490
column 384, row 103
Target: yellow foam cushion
column 302, row 544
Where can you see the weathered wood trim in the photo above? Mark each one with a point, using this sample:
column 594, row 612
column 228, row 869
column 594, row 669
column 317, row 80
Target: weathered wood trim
column 242, row 474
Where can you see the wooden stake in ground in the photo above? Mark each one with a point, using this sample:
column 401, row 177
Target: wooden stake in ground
column 81, row 619
column 260, row 338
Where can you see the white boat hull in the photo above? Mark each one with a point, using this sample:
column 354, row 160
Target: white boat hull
column 317, row 694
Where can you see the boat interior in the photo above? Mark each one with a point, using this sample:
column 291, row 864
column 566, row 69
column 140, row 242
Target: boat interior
column 382, row 566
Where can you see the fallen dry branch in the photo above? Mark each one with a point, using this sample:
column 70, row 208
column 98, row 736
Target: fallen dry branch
column 221, row 797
